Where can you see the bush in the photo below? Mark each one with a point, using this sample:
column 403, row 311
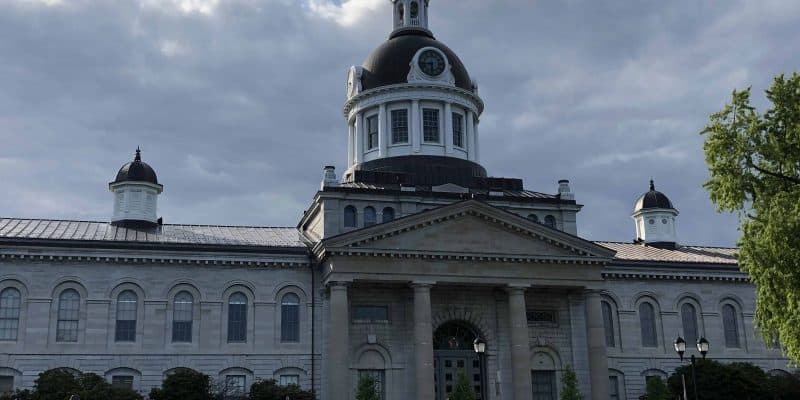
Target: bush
column 718, row 381
column 569, row 385
column 657, row 389
column 184, row 384
column 60, row 384
column 17, row 395
column 366, row 388
column 463, row 390
column 268, row 389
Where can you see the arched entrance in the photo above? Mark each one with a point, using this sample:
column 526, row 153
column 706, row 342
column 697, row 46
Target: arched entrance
column 453, row 354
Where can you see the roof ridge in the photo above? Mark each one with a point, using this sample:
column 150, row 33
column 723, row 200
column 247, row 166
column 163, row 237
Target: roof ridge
column 107, row 222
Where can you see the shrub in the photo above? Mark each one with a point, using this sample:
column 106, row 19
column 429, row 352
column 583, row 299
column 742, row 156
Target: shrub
column 184, row 384
column 366, row 388
column 569, row 385
column 60, row 384
column 657, row 389
column 268, row 389
column 463, row 390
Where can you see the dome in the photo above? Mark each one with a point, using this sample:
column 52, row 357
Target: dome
column 389, row 63
column 653, row 199
column 136, row 171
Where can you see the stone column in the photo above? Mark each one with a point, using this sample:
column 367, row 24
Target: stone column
column 520, row 345
column 423, row 341
column 448, row 127
column 476, row 142
column 470, row 135
column 358, row 143
column 382, row 131
column 415, row 130
column 598, row 362
column 339, row 343
column 350, row 147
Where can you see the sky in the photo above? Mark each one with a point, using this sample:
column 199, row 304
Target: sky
column 237, row 104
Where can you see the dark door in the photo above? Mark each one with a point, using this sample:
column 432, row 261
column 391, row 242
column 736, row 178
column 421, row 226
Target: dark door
column 453, row 354
column 544, row 385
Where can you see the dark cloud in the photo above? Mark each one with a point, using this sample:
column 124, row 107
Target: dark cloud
column 237, row 103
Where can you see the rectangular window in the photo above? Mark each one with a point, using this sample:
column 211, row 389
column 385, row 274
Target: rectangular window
column 613, row 388
column 126, row 331
column 122, row 381
column 235, row 384
column 290, row 323
column 372, row 132
column 286, row 380
column 371, row 313
column 544, row 385
column 379, row 377
column 542, row 316
column 6, row 384
column 458, row 130
column 430, row 125
column 237, row 323
column 182, row 331
column 400, row 126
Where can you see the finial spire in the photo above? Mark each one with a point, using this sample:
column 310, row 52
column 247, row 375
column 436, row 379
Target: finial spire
column 652, row 185
column 138, row 154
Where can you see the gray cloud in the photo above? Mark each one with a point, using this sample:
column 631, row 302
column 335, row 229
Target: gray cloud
column 237, row 103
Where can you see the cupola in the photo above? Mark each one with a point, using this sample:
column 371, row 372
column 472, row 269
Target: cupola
column 654, row 216
column 136, row 191
column 410, row 14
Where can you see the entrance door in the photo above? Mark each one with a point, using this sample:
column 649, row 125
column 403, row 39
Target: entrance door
column 453, row 354
column 544, row 385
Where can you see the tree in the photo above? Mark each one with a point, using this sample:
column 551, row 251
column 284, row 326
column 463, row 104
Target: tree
column 184, row 384
column 657, row 389
column 754, row 166
column 717, row 381
column 60, row 384
column 366, row 388
column 463, row 390
column 268, row 389
column 569, row 385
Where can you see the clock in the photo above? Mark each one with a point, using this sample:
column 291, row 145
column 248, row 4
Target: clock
column 431, row 62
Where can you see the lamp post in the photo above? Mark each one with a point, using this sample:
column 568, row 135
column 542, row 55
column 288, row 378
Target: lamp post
column 480, row 347
column 680, row 348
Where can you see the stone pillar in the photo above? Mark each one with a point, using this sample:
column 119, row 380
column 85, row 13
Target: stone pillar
column 358, row 143
column 470, row 135
column 416, row 130
column 339, row 343
column 383, row 138
column 448, row 127
column 598, row 362
column 350, row 147
column 520, row 345
column 423, row 341
column 475, row 142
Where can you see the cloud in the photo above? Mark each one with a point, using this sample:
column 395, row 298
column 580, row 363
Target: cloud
column 347, row 13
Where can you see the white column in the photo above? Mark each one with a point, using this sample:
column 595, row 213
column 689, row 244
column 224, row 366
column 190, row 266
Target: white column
column 358, row 143
column 350, row 138
column 476, row 142
column 383, row 139
column 598, row 361
column 339, row 343
column 423, row 341
column 448, row 128
column 470, row 136
column 415, row 129
column 520, row 345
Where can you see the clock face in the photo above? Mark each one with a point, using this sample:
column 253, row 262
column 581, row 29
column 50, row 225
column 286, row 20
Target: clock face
column 431, row 62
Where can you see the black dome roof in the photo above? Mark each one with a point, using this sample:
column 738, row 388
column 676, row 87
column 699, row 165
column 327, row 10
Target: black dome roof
column 136, row 170
column 389, row 63
column 653, row 199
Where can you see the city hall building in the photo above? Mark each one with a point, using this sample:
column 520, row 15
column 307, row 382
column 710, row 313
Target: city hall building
column 397, row 266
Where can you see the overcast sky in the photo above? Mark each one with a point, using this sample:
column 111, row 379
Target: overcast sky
column 237, row 103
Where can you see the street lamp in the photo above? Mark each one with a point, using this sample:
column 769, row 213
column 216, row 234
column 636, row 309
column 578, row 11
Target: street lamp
column 680, row 348
column 480, row 347
column 702, row 346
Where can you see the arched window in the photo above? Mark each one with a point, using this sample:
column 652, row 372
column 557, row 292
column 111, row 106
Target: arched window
column 689, row 319
column 608, row 324
column 9, row 313
column 388, row 214
column 414, row 9
column 533, row 217
column 182, row 315
column 290, row 318
column 729, row 324
column 126, row 317
column 349, row 217
column 647, row 320
column 369, row 216
column 69, row 306
column 550, row 221
column 237, row 318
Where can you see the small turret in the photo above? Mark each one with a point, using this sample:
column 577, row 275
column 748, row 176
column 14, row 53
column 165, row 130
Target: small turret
column 136, row 191
column 410, row 14
column 655, row 219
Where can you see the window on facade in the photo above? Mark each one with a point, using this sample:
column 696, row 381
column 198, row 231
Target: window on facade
column 235, row 384
column 550, row 221
column 400, row 13
column 349, row 217
column 370, row 217
column 372, row 132
column 458, row 130
column 608, row 324
column 533, row 217
column 647, row 320
column 613, row 388
column 542, row 316
column 237, row 318
column 544, row 385
column 6, row 384
column 371, row 313
column 400, row 126
column 689, row 320
column 729, row 324
column 414, row 9
column 69, row 305
column 182, row 316
column 290, row 318
column 377, row 375
column 286, row 380
column 122, row 381
column 430, row 125
column 10, row 301
column 126, row 317
column 388, row 214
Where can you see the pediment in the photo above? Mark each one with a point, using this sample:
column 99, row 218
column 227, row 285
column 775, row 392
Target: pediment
column 468, row 229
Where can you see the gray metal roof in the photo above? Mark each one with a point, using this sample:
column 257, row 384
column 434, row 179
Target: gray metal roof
column 208, row 235
column 683, row 254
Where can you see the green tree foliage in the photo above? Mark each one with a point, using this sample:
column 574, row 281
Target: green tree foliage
column 717, row 381
column 268, row 389
column 60, row 384
column 463, row 389
column 784, row 386
column 657, row 389
column 569, row 385
column 754, row 165
column 184, row 384
column 366, row 388
column 17, row 395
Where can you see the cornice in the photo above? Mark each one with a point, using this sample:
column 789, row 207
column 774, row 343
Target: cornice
column 432, row 255
column 164, row 260
column 410, row 87
column 674, row 276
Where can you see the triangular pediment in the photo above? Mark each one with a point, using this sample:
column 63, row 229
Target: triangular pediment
column 471, row 229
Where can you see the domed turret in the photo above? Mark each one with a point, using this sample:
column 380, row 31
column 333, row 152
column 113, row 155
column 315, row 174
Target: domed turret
column 136, row 191
column 655, row 215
